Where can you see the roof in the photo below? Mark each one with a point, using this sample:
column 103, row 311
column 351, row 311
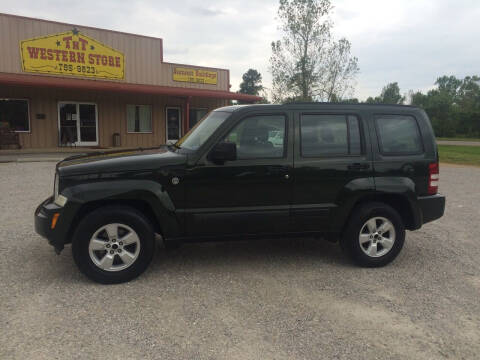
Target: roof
column 317, row 105
column 83, row 26
column 111, row 86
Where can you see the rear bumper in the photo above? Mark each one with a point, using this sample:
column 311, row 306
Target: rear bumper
column 431, row 207
column 43, row 223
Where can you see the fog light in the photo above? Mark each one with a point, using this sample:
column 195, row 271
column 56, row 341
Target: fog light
column 54, row 220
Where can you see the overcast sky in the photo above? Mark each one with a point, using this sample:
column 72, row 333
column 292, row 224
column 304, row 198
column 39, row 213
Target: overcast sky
column 410, row 41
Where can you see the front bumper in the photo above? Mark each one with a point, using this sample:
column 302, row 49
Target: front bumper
column 43, row 223
column 432, row 207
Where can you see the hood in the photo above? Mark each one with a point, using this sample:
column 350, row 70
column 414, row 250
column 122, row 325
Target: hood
column 123, row 160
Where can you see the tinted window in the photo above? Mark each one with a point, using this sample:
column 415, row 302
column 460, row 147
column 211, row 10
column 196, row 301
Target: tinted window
column 398, row 134
column 259, row 137
column 326, row 135
column 202, row 131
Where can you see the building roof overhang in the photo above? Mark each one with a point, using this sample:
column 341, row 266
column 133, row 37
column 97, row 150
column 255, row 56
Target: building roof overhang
column 119, row 87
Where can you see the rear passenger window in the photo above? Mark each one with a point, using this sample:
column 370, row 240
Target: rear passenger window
column 327, row 135
column 398, row 134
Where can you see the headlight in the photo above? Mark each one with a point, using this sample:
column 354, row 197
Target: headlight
column 59, row 199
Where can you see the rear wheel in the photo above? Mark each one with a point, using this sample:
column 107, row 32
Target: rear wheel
column 374, row 235
column 113, row 244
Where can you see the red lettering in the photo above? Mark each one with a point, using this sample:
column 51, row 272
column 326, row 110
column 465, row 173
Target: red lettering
column 84, row 43
column 91, row 59
column 72, row 56
column 64, row 55
column 104, row 60
column 50, row 54
column 43, row 53
column 75, row 45
column 67, row 41
column 117, row 61
column 97, row 56
column 81, row 57
column 33, row 52
column 110, row 61
column 57, row 54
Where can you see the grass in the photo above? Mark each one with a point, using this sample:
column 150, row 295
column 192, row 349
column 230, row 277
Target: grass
column 456, row 154
column 457, row 139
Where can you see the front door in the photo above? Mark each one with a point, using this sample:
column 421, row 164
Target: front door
column 78, row 124
column 174, row 124
column 250, row 195
column 331, row 165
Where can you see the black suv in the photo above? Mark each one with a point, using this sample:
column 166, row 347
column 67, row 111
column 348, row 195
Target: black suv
column 360, row 174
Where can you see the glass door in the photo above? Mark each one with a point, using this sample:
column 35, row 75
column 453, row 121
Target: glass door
column 78, row 124
column 174, row 125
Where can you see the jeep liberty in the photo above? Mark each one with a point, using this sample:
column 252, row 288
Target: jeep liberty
column 359, row 174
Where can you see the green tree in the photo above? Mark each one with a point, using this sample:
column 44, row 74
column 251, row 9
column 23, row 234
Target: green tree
column 307, row 64
column 252, row 83
column 453, row 106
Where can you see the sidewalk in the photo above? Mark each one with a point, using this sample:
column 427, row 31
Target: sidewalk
column 40, row 155
column 33, row 157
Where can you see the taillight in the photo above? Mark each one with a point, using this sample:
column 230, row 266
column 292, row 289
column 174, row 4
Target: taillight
column 433, row 177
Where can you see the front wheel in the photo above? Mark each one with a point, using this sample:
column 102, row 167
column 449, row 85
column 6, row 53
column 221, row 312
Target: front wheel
column 113, row 244
column 374, row 235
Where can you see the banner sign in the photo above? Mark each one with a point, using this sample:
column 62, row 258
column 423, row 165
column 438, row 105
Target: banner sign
column 72, row 53
column 199, row 76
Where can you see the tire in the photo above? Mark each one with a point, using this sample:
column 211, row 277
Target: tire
column 361, row 240
column 107, row 227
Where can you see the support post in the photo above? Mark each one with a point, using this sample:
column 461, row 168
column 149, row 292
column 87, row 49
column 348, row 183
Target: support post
column 187, row 114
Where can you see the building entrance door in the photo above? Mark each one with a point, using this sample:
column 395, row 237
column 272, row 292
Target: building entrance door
column 77, row 124
column 174, row 124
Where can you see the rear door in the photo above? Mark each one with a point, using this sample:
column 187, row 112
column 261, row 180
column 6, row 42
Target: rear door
column 331, row 167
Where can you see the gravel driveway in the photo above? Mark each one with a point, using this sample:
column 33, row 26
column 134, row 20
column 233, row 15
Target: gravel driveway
column 273, row 299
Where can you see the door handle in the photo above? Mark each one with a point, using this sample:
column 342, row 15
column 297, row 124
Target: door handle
column 358, row 166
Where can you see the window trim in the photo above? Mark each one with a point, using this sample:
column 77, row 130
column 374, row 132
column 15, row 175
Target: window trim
column 151, row 119
column 180, row 119
column 339, row 155
column 285, row 136
column 28, row 114
column 77, row 104
column 379, row 136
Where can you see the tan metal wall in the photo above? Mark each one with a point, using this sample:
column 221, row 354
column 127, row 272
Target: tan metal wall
column 111, row 109
column 143, row 55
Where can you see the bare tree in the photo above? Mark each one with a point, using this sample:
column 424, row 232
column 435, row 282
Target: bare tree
column 307, row 64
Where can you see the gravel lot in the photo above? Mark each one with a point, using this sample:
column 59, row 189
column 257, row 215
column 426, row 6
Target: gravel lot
column 273, row 299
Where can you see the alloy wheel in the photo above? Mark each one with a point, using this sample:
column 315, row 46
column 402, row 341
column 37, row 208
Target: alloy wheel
column 377, row 237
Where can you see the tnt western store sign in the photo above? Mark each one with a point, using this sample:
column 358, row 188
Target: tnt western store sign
column 66, row 85
column 72, row 53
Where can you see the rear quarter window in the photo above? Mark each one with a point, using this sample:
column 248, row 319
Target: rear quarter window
column 398, row 135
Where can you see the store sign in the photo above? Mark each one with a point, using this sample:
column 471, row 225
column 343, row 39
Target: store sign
column 71, row 53
column 199, row 76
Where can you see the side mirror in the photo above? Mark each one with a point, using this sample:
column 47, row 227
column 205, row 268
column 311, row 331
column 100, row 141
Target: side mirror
column 224, row 151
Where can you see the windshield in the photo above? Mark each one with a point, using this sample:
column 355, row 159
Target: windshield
column 200, row 133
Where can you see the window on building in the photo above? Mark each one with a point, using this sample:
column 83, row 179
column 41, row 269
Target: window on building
column 398, row 135
column 328, row 135
column 195, row 115
column 139, row 118
column 259, row 137
column 14, row 112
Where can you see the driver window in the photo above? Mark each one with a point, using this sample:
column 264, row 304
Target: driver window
column 259, row 137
